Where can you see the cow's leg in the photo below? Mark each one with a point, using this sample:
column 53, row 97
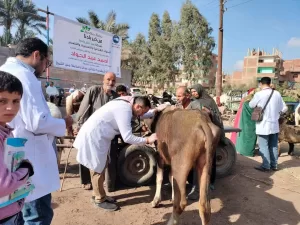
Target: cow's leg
column 171, row 182
column 180, row 174
column 159, row 180
column 291, row 149
column 279, row 152
column 204, row 169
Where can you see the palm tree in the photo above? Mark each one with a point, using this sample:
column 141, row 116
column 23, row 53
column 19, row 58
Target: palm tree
column 8, row 16
column 108, row 25
column 20, row 13
column 28, row 20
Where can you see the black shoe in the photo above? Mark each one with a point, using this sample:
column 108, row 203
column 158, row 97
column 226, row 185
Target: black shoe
column 291, row 153
column 108, row 199
column 194, row 194
column 274, row 168
column 108, row 206
column 262, row 169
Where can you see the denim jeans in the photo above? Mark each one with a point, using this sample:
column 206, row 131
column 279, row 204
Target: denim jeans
column 13, row 220
column 268, row 149
column 37, row 212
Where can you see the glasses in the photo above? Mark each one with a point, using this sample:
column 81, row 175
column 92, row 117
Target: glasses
column 48, row 63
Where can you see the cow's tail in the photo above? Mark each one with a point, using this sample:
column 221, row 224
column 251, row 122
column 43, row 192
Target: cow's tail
column 204, row 201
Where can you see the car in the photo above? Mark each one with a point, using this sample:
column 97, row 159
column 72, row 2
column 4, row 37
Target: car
column 135, row 92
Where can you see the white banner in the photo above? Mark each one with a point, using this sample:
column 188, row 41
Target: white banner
column 83, row 48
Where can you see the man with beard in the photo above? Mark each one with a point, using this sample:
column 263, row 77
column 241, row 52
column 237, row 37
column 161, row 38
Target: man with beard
column 95, row 97
column 35, row 123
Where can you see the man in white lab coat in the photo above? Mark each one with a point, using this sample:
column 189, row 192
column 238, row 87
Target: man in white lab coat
column 94, row 140
column 52, row 92
column 35, row 123
column 267, row 130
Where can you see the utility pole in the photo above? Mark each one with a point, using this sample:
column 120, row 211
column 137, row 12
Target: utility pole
column 219, row 79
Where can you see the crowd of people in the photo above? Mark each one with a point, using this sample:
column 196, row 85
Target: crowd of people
column 101, row 115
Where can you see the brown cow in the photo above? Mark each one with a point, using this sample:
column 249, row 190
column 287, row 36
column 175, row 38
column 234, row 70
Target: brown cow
column 186, row 138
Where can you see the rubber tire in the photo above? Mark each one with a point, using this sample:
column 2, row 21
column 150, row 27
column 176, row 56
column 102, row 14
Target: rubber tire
column 227, row 167
column 129, row 179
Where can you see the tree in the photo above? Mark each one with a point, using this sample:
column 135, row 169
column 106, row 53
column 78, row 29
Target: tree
column 8, row 16
column 28, row 21
column 154, row 28
column 20, row 14
column 139, row 60
column 163, row 61
column 108, row 25
column 197, row 43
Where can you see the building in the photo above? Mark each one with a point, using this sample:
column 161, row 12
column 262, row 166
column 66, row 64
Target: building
column 291, row 71
column 258, row 64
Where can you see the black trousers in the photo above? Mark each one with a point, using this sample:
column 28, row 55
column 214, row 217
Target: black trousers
column 110, row 173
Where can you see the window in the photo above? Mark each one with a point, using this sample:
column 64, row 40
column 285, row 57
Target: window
column 260, row 60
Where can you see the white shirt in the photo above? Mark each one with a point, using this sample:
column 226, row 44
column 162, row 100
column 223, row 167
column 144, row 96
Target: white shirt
column 52, row 91
column 94, row 138
column 269, row 124
column 35, row 123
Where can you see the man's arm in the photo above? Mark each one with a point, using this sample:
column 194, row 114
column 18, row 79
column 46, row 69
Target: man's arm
column 282, row 105
column 253, row 103
column 36, row 115
column 123, row 120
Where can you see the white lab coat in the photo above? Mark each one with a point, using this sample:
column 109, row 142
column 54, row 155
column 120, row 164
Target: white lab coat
column 35, row 123
column 52, row 91
column 94, row 138
column 269, row 124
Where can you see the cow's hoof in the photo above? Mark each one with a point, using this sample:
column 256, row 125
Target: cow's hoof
column 155, row 203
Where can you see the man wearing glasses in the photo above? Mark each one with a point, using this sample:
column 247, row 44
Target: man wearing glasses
column 35, row 123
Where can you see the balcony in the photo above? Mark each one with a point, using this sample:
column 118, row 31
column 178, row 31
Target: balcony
column 267, row 64
column 271, row 75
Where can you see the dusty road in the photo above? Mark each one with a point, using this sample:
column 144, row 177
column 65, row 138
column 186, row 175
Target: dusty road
column 247, row 197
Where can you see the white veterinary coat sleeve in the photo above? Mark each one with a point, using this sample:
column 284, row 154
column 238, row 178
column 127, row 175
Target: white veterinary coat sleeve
column 284, row 107
column 148, row 114
column 37, row 117
column 123, row 121
column 253, row 103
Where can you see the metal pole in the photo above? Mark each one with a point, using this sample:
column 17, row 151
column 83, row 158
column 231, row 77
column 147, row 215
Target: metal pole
column 220, row 55
column 47, row 27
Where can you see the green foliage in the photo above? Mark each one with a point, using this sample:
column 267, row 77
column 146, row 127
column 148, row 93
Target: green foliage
column 23, row 15
column 109, row 25
column 196, row 42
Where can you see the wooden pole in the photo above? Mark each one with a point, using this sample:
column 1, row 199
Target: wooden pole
column 220, row 55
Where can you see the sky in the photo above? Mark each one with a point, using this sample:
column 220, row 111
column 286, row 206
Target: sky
column 247, row 23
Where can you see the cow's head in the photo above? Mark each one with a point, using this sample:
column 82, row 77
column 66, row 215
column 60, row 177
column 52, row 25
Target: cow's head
column 151, row 123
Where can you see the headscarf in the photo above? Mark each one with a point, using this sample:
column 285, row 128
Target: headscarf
column 206, row 101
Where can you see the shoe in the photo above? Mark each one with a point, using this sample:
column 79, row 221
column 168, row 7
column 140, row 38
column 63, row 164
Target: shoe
column 274, row 168
column 194, row 194
column 87, row 186
column 291, row 153
column 108, row 206
column 262, row 169
column 108, row 199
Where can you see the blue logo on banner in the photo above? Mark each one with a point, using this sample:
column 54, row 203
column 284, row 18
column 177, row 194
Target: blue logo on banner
column 116, row 39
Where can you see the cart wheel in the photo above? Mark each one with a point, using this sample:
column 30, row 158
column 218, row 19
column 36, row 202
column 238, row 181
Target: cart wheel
column 226, row 159
column 137, row 165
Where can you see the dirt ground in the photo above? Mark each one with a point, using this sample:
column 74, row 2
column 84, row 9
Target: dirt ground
column 245, row 197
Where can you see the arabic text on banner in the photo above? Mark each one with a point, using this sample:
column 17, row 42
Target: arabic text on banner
column 83, row 48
